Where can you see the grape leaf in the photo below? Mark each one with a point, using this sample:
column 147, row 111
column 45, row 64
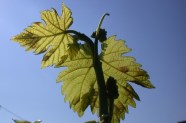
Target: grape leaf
column 79, row 80
column 122, row 67
column 49, row 36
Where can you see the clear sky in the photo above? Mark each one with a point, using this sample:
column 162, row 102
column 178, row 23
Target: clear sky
column 154, row 29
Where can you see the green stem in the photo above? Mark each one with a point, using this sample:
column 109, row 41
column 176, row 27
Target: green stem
column 82, row 37
column 103, row 104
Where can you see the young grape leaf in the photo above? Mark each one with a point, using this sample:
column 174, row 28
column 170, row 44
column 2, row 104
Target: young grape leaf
column 79, row 80
column 49, row 37
column 122, row 67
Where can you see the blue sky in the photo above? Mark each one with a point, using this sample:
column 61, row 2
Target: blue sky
column 154, row 29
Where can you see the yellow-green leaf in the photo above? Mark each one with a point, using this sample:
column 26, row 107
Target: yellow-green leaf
column 122, row 67
column 79, row 80
column 49, row 36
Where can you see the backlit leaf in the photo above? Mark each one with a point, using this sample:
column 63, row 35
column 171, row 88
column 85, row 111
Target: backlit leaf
column 79, row 80
column 122, row 67
column 49, row 36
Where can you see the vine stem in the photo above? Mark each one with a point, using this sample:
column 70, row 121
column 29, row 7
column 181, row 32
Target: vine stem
column 103, row 103
column 102, row 92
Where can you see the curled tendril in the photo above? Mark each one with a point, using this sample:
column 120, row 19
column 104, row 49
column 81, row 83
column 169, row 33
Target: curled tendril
column 100, row 23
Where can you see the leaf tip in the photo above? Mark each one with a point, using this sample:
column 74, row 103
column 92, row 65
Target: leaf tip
column 152, row 86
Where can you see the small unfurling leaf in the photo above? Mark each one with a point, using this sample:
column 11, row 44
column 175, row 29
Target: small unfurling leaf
column 102, row 36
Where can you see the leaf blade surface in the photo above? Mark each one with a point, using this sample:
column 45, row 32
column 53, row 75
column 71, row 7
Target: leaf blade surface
column 49, row 37
column 80, row 78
